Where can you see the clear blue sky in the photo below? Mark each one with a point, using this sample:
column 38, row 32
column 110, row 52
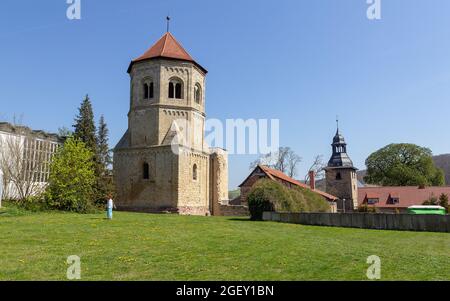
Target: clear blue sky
column 302, row 61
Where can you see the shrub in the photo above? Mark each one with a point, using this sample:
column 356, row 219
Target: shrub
column 443, row 201
column 72, row 178
column 368, row 209
column 431, row 201
column 268, row 195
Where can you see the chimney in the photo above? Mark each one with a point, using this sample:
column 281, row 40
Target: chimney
column 312, row 180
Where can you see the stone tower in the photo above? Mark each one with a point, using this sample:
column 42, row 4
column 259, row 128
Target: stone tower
column 162, row 162
column 341, row 179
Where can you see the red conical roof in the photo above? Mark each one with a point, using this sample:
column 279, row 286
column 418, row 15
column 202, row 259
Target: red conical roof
column 167, row 47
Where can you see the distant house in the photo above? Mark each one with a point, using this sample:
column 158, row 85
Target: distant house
column 392, row 199
column 25, row 157
column 265, row 172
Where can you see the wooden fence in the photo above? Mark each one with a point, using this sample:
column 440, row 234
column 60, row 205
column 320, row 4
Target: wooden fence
column 381, row 221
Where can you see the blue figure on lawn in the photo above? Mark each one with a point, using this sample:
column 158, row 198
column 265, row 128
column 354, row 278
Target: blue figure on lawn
column 109, row 208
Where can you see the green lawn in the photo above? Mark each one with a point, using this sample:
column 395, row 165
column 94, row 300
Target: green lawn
column 137, row 246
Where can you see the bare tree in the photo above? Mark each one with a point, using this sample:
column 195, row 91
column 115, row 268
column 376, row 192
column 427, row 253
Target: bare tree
column 21, row 164
column 284, row 160
column 293, row 160
column 318, row 167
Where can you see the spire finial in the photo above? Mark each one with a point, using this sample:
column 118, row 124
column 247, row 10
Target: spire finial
column 168, row 22
column 337, row 123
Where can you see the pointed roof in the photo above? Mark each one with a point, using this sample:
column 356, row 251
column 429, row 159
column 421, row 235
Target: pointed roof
column 340, row 158
column 167, row 47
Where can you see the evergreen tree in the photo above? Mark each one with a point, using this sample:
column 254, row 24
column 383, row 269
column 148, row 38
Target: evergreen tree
column 85, row 126
column 104, row 186
column 104, row 155
column 443, row 201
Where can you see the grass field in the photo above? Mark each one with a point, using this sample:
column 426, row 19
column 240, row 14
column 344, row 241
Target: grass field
column 133, row 246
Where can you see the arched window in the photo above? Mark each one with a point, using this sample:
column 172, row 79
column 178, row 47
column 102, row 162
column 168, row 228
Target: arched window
column 171, row 90
column 175, row 89
column 148, row 89
column 338, row 176
column 194, row 172
column 178, row 91
column 198, row 93
column 145, row 171
column 145, row 91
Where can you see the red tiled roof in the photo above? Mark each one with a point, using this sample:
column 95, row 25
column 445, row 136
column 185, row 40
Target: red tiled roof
column 273, row 173
column 408, row 196
column 167, row 47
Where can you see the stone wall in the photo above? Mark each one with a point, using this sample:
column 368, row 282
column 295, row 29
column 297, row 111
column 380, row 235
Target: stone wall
column 193, row 193
column 234, row 210
column 380, row 221
column 159, row 191
column 218, row 179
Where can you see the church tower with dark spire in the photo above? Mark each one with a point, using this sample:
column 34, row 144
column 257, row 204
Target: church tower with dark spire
column 341, row 179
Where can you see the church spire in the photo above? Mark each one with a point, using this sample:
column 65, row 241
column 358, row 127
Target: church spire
column 337, row 124
column 339, row 158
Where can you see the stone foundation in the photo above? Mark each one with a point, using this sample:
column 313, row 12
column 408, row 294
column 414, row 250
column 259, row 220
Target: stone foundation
column 184, row 210
column 234, row 210
column 189, row 210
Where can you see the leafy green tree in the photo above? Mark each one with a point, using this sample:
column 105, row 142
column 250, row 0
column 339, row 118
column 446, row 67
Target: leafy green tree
column 104, row 185
column 403, row 165
column 72, row 178
column 85, row 126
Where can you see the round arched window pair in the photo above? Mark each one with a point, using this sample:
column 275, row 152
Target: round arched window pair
column 175, row 89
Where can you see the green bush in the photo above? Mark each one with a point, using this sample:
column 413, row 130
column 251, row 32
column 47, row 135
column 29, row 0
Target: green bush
column 268, row 195
column 72, row 178
column 366, row 209
column 15, row 208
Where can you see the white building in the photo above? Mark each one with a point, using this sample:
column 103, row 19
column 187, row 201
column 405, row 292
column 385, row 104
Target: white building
column 25, row 157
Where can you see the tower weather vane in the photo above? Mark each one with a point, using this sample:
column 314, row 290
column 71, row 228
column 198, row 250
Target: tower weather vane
column 168, row 22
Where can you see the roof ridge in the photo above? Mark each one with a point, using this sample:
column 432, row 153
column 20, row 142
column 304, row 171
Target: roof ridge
column 165, row 42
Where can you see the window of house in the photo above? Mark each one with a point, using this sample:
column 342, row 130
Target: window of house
column 198, row 93
column 372, row 201
column 145, row 171
column 338, row 176
column 394, row 200
column 175, row 89
column 194, row 172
